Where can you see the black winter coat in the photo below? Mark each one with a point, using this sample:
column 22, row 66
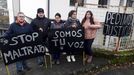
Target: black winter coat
column 43, row 23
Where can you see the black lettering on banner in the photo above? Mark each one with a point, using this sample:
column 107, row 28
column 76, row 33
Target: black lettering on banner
column 118, row 24
column 66, row 39
column 22, row 47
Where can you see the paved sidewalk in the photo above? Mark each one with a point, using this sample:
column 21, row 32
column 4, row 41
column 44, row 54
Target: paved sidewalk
column 122, row 71
column 64, row 68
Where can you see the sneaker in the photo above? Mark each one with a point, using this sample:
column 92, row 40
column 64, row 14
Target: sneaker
column 73, row 58
column 64, row 53
column 41, row 64
column 68, row 59
column 20, row 72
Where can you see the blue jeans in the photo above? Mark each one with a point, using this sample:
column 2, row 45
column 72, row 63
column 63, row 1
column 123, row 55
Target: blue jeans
column 21, row 65
column 40, row 60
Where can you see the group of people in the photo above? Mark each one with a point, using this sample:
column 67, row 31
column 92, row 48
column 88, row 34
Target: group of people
column 42, row 24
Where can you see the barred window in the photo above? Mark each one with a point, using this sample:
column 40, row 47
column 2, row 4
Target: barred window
column 121, row 3
column 80, row 2
column 103, row 3
column 129, row 3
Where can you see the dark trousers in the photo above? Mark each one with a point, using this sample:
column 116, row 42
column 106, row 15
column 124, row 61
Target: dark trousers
column 21, row 65
column 70, row 53
column 87, row 46
column 56, row 56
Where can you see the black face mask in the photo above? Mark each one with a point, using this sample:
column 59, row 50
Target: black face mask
column 40, row 17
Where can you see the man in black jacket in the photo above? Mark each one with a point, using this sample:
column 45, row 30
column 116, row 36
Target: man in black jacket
column 41, row 24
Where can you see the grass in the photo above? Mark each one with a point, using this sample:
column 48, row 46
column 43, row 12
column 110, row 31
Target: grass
column 116, row 60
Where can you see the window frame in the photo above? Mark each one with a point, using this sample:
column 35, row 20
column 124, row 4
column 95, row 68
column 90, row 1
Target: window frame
column 74, row 1
column 129, row 3
column 103, row 4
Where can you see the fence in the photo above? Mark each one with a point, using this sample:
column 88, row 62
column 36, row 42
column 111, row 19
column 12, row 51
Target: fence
column 2, row 31
column 108, row 42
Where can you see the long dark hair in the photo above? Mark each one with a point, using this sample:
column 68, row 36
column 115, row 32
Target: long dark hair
column 91, row 18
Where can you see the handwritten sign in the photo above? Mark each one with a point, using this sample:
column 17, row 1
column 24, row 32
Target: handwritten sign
column 21, row 47
column 66, row 39
column 118, row 24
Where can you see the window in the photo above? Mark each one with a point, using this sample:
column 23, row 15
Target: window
column 103, row 3
column 80, row 2
column 129, row 3
column 121, row 3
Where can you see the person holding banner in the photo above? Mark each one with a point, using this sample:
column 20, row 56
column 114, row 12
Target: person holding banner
column 41, row 24
column 18, row 27
column 90, row 26
column 72, row 22
column 57, row 24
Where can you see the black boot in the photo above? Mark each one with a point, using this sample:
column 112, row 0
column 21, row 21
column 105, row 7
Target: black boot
column 20, row 72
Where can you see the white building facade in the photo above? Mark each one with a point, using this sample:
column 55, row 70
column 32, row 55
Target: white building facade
column 98, row 7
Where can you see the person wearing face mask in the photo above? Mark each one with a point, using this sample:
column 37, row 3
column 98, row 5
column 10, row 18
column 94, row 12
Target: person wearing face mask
column 41, row 24
column 72, row 22
column 18, row 27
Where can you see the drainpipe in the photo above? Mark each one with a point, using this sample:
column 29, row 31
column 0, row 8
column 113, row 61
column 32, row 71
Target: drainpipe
column 19, row 5
column 13, row 9
column 48, row 9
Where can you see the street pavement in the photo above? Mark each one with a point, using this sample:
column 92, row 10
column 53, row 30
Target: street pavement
column 64, row 68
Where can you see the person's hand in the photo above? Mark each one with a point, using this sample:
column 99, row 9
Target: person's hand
column 41, row 29
column 74, row 26
column 85, row 27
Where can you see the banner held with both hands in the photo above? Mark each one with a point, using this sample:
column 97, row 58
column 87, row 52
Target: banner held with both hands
column 29, row 45
column 21, row 47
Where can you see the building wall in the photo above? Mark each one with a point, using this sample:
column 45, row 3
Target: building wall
column 29, row 7
column 63, row 7
column 99, row 13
